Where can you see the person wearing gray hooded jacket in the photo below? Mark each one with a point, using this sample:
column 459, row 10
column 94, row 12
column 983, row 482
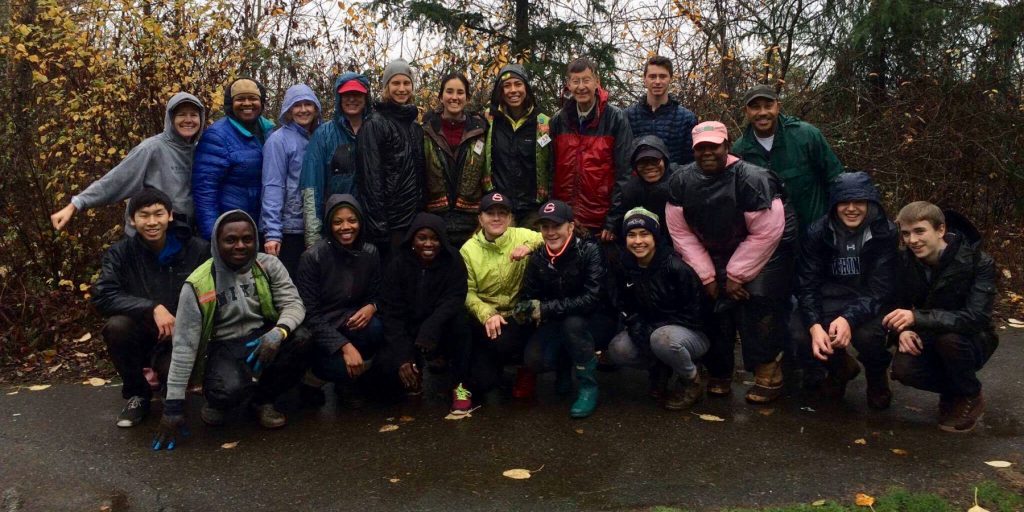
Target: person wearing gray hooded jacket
column 238, row 313
column 163, row 162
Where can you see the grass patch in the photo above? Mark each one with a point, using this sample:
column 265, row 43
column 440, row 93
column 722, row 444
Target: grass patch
column 991, row 496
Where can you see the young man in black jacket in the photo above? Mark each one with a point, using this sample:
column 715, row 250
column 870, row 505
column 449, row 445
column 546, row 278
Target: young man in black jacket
column 138, row 292
column 944, row 320
column 846, row 274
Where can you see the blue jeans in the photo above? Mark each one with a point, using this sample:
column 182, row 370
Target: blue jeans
column 367, row 340
column 674, row 345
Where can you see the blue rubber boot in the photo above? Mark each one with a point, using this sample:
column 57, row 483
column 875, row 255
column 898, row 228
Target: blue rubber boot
column 586, row 398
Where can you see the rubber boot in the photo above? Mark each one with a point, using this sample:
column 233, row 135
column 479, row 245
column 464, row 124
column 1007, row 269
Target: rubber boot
column 586, row 397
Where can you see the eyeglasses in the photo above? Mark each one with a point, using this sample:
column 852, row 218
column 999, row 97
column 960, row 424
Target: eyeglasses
column 576, row 82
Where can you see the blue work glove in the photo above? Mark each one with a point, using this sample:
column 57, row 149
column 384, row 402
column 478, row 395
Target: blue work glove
column 265, row 348
column 171, row 425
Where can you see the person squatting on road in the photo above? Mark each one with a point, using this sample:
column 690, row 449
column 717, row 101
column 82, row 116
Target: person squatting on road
column 728, row 221
column 659, row 299
column 846, row 275
column 943, row 323
column 496, row 259
column 339, row 280
column 138, row 289
column 423, row 301
column 564, row 295
column 236, row 333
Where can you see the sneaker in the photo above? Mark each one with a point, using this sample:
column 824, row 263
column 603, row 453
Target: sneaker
column 526, row 383
column 462, row 401
column 311, row 396
column 134, row 412
column 965, row 415
column 269, row 416
column 211, row 416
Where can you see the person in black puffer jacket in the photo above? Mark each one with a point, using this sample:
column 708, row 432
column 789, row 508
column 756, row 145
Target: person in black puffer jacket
column 423, row 307
column 564, row 292
column 846, row 275
column 138, row 291
column 390, row 146
column 648, row 185
column 944, row 321
column 659, row 298
column 339, row 278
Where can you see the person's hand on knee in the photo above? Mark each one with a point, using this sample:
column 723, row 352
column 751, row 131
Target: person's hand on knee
column 910, row 343
column 821, row 344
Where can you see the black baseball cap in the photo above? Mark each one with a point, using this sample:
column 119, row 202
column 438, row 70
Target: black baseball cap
column 495, row 198
column 555, row 211
column 760, row 91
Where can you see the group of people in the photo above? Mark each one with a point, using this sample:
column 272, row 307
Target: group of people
column 465, row 243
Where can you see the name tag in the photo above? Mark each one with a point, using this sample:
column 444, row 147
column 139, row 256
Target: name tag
column 478, row 148
column 544, row 140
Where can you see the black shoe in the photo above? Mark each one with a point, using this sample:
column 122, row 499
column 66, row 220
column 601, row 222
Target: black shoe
column 134, row 412
column 211, row 416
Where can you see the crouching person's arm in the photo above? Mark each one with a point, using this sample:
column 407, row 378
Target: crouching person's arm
column 187, row 333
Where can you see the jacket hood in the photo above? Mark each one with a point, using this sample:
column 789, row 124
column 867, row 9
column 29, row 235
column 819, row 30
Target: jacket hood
column 653, row 142
column 295, row 94
column 344, row 78
column 853, row 186
column 218, row 261
column 530, row 101
column 435, row 224
column 959, row 224
column 337, row 201
column 178, row 99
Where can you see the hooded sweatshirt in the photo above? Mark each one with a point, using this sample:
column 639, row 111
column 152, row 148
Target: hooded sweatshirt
column 283, row 153
column 238, row 312
column 637, row 192
column 163, row 162
column 329, row 165
column 228, row 168
column 335, row 281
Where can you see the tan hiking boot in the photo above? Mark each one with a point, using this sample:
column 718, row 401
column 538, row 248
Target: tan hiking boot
column 767, row 383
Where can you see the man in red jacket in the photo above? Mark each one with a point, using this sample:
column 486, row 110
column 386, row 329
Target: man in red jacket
column 592, row 142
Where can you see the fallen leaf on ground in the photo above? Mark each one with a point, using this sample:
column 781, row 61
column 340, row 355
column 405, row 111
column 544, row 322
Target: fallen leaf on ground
column 394, row 480
column 38, row 387
column 1014, row 321
column 406, row 419
column 766, row 412
column 709, row 417
column 578, row 431
column 389, row 419
column 976, row 507
column 818, row 503
column 912, row 408
column 863, row 500
column 860, row 441
column 95, row 381
column 517, row 474
column 12, row 393
column 900, row 451
column 48, row 355
column 808, row 409
column 228, row 446
column 451, row 416
column 999, row 463
column 85, row 337
column 388, row 428
column 55, row 367
column 81, row 355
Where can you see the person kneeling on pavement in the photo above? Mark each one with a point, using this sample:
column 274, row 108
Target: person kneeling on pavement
column 564, row 294
column 138, row 291
column 237, row 333
column 339, row 279
column 423, row 310
column 846, row 274
column 659, row 298
column 944, row 320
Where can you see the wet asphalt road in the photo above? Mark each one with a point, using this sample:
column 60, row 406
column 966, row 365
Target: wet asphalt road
column 60, row 450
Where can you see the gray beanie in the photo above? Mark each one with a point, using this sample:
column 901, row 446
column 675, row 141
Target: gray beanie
column 396, row 67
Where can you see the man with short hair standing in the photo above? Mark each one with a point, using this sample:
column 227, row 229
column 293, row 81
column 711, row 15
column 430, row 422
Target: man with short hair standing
column 795, row 150
column 592, row 144
column 658, row 113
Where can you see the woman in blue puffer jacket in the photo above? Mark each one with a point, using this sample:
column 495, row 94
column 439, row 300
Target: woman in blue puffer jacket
column 228, row 167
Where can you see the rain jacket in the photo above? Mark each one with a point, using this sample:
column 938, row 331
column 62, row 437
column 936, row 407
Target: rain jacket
column 329, row 166
column 134, row 280
column 454, row 176
column 493, row 280
column 572, row 283
column 672, row 123
column 238, row 303
column 734, row 223
column 637, row 192
column 801, row 156
column 517, row 153
column 335, row 281
column 163, row 162
column 228, row 169
column 667, row 292
column 959, row 296
column 416, row 300
column 591, row 161
column 283, row 153
column 857, row 288
column 389, row 177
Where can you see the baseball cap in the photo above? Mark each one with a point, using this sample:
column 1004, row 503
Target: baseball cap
column 555, row 211
column 760, row 91
column 352, row 86
column 710, row 131
column 494, row 198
